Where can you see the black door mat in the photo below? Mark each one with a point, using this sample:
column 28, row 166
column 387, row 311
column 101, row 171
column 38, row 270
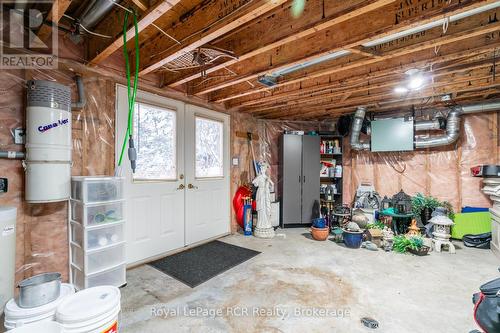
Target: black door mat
column 198, row 265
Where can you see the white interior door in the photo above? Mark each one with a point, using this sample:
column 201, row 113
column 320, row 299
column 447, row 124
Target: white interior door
column 154, row 194
column 207, row 174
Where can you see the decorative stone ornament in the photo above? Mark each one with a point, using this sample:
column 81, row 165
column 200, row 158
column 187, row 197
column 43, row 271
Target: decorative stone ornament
column 263, row 228
column 413, row 229
column 441, row 234
column 401, row 203
column 386, row 203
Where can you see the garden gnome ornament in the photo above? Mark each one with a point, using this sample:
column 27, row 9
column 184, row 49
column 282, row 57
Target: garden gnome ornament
column 264, row 228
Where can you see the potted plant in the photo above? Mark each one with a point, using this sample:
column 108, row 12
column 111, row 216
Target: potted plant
column 423, row 206
column 414, row 245
column 353, row 235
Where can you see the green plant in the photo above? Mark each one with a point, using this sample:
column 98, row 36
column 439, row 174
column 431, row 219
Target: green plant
column 376, row 225
column 419, row 202
column 402, row 243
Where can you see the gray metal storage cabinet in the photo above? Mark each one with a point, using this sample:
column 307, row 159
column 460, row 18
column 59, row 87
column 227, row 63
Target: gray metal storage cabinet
column 300, row 167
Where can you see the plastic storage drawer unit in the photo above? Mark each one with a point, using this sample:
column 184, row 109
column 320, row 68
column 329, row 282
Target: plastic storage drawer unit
column 96, row 189
column 97, row 237
column 97, row 213
column 97, row 260
column 114, row 276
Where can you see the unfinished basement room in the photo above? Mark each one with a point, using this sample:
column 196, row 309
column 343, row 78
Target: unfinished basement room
column 249, row 166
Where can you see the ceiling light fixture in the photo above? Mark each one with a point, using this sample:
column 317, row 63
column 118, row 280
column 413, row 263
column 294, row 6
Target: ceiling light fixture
column 415, row 81
column 401, row 90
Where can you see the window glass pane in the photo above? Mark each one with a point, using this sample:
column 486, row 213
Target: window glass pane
column 209, row 145
column 155, row 141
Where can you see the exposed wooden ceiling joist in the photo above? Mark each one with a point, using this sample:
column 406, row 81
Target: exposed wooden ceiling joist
column 377, row 100
column 59, row 7
column 356, row 62
column 477, row 50
column 213, row 20
column 350, row 34
column 102, row 49
column 463, row 73
column 343, row 14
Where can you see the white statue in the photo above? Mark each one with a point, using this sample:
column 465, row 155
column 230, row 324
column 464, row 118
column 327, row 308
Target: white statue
column 264, row 228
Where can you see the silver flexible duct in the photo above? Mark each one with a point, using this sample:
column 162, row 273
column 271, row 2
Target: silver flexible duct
column 95, row 11
column 481, row 107
column 356, row 144
column 450, row 136
column 425, row 125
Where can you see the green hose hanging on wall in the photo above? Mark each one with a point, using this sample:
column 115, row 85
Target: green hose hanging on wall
column 132, row 93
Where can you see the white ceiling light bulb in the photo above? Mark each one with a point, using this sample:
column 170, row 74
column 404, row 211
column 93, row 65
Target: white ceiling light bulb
column 401, row 90
column 416, row 82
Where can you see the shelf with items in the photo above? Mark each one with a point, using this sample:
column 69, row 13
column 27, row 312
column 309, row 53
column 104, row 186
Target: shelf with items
column 97, row 232
column 331, row 182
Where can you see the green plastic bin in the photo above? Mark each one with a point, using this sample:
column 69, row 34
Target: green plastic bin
column 471, row 223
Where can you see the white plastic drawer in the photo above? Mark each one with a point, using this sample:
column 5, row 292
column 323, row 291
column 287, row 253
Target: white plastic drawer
column 97, row 214
column 97, row 260
column 97, row 237
column 115, row 276
column 96, row 189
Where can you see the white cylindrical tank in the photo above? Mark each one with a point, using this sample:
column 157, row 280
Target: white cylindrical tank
column 8, row 254
column 48, row 142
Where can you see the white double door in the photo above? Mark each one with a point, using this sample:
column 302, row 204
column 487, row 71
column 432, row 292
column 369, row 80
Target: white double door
column 179, row 193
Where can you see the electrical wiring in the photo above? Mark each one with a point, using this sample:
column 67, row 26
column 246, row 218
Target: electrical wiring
column 84, row 28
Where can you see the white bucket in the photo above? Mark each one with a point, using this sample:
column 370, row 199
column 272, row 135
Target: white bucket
column 40, row 327
column 93, row 310
column 16, row 316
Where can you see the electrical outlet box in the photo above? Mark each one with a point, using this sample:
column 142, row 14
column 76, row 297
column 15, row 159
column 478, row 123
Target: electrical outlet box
column 19, row 135
column 4, row 185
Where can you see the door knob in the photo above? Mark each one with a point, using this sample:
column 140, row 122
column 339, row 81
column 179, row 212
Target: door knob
column 191, row 186
column 181, row 187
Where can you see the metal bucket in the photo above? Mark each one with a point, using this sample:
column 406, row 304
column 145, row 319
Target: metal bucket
column 39, row 290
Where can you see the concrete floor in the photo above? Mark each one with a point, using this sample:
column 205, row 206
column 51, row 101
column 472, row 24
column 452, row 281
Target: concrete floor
column 296, row 277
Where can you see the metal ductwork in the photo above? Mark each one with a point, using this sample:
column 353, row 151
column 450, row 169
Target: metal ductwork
column 95, row 11
column 450, row 136
column 357, row 123
column 453, row 125
column 426, row 125
column 481, row 107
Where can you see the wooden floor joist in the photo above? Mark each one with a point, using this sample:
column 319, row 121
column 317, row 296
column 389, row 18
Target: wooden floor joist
column 362, row 34
column 148, row 17
column 57, row 11
column 155, row 57
column 344, row 15
column 436, row 42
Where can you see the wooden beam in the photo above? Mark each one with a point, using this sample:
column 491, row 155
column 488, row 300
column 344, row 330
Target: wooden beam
column 145, row 20
column 364, row 51
column 451, row 76
column 201, row 29
column 360, row 84
column 325, row 23
column 59, row 7
column 476, row 51
column 479, row 83
column 349, row 65
column 364, row 30
column 140, row 4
